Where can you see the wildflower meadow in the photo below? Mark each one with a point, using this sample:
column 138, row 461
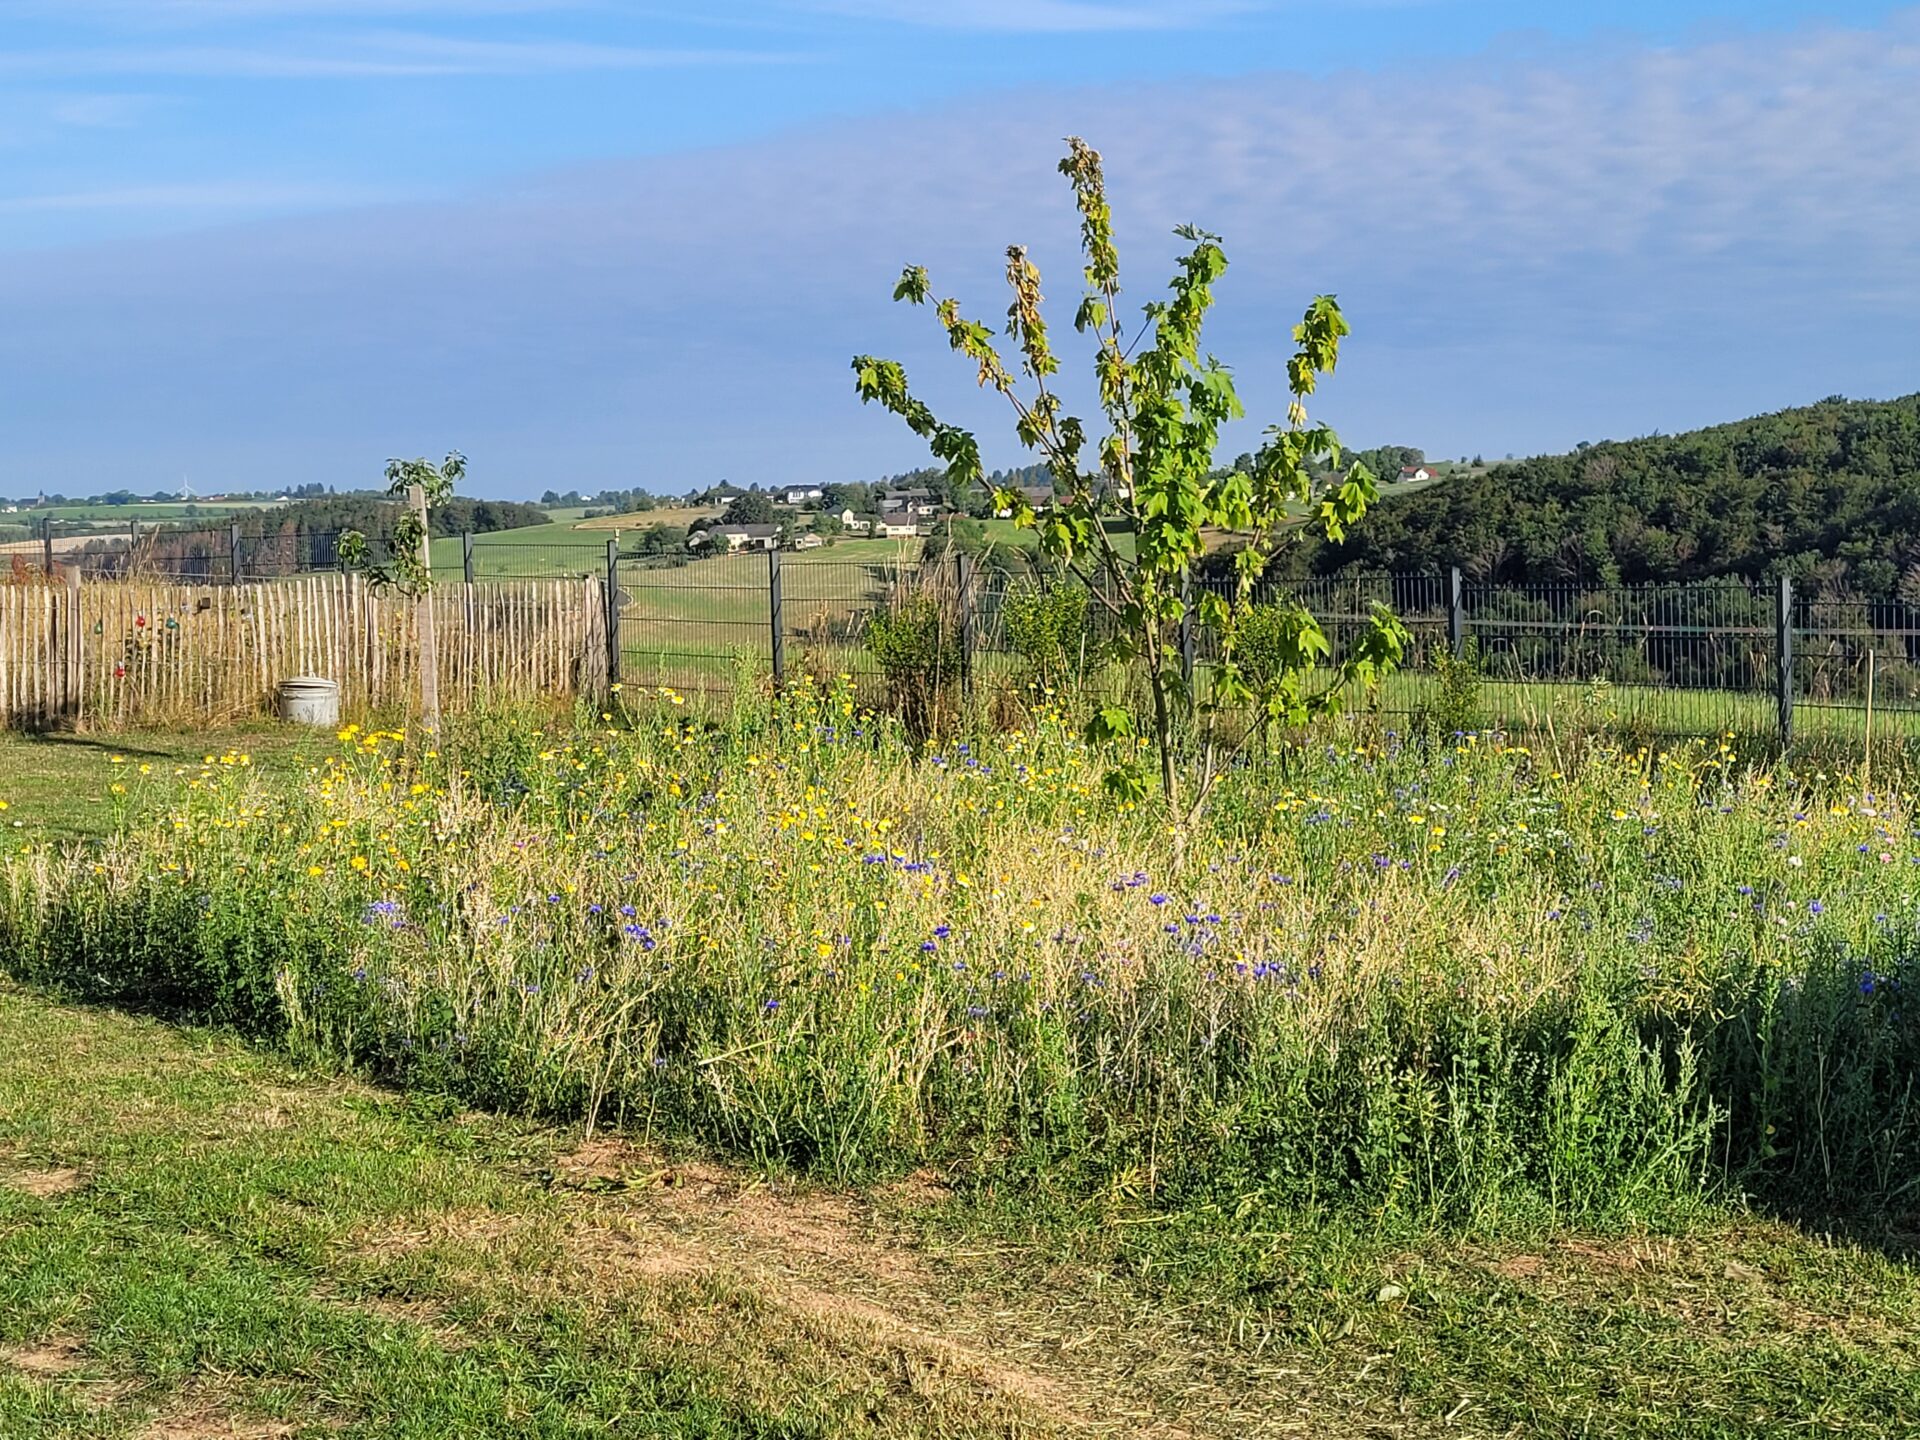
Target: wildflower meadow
column 1446, row 977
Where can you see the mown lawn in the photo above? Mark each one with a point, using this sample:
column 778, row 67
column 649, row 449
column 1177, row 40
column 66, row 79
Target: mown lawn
column 199, row 1240
column 61, row 786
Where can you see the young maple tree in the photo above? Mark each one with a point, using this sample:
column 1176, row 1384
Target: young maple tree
column 1153, row 477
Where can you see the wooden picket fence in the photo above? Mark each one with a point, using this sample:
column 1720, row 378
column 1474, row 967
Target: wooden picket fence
column 113, row 654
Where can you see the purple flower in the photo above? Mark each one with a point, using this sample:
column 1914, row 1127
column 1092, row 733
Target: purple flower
column 1156, row 898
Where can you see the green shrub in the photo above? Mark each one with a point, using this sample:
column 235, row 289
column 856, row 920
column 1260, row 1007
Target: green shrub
column 915, row 639
column 1049, row 630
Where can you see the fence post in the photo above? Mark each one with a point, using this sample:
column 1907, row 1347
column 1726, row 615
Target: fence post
column 777, row 618
column 1457, row 615
column 1783, row 658
column 466, row 555
column 423, row 615
column 613, row 608
column 1186, row 635
column 233, row 554
column 963, row 587
column 46, row 542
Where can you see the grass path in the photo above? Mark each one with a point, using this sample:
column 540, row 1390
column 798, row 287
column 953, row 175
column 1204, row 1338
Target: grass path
column 198, row 1241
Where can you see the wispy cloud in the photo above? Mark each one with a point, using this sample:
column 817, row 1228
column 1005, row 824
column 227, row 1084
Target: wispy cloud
column 372, row 56
column 227, row 196
column 1042, row 16
column 179, row 12
column 1576, row 244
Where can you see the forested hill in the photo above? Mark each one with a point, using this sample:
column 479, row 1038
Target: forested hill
column 1829, row 492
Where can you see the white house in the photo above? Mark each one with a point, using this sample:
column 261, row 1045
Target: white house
column 897, row 524
column 738, row 537
column 800, row 494
column 855, row 523
column 1418, row 472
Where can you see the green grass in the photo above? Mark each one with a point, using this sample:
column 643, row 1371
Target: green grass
column 197, row 1239
column 60, row 786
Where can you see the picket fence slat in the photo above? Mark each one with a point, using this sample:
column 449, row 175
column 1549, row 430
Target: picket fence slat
column 121, row 653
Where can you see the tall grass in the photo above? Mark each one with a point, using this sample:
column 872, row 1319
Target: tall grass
column 1450, row 982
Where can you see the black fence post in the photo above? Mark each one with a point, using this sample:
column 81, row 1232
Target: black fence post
column 963, row 588
column 1186, row 635
column 613, row 605
column 1783, row 658
column 776, row 618
column 466, row 554
column 46, row 543
column 1457, row 615
column 233, row 554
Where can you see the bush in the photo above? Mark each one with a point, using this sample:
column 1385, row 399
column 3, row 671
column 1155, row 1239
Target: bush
column 1048, row 630
column 915, row 639
column 1454, row 706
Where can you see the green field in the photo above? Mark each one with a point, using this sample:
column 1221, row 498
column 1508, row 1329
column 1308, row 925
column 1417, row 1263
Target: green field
column 118, row 517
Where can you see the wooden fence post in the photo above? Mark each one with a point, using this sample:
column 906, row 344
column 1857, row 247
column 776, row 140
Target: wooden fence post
column 233, row 554
column 963, row 588
column 466, row 555
column 46, row 541
column 423, row 610
column 613, row 612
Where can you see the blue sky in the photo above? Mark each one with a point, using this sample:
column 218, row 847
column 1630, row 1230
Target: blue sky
column 273, row 241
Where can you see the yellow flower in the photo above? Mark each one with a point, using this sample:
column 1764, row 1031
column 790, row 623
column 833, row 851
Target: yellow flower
column 359, row 862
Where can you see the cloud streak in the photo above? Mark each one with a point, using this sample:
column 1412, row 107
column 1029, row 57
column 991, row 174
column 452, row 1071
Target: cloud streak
column 1575, row 245
column 372, row 56
column 1044, row 16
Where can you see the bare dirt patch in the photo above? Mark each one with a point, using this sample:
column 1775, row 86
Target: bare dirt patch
column 45, row 1360
column 43, row 1184
column 205, row 1426
column 466, row 1227
column 857, row 1284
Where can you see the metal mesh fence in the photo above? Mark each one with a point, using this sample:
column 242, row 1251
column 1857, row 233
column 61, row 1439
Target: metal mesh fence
column 1692, row 658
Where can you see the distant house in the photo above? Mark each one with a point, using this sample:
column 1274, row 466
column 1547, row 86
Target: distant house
column 805, row 540
column 1418, row 472
column 917, row 501
column 799, row 494
column 1036, row 496
column 855, row 523
column 737, row 537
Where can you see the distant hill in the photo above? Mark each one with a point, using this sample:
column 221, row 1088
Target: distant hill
column 1829, row 492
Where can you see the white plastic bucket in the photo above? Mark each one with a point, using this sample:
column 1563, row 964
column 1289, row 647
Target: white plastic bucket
column 310, row 700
